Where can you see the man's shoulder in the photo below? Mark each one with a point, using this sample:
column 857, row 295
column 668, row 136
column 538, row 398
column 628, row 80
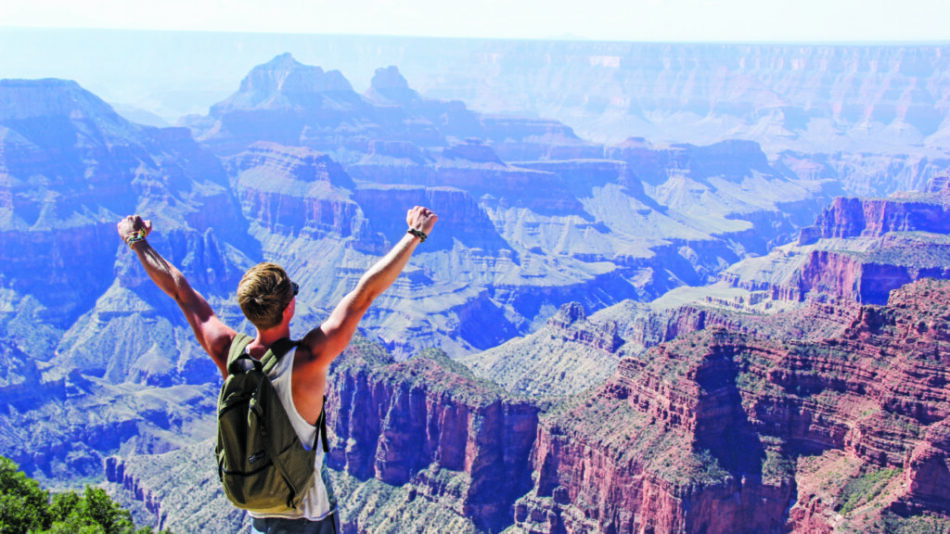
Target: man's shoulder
column 310, row 350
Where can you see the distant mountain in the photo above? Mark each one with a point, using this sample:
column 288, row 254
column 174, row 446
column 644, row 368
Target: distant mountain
column 290, row 103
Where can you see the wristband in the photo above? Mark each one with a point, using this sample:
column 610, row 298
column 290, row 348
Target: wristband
column 138, row 235
column 418, row 233
column 135, row 238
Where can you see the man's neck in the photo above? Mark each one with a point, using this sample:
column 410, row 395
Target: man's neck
column 266, row 338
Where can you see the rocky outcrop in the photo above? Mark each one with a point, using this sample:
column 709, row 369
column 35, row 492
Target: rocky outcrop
column 388, row 86
column 286, row 102
column 604, row 338
column 853, row 217
column 115, row 471
column 859, row 250
column 295, row 191
column 702, row 434
column 401, row 422
column 846, row 276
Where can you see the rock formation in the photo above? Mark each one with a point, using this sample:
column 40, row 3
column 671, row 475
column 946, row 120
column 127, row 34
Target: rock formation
column 841, row 426
column 710, row 433
column 533, row 216
column 858, row 250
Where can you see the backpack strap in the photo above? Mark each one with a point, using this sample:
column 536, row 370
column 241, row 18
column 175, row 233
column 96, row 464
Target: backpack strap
column 270, row 359
column 277, row 351
column 322, row 427
column 266, row 363
column 236, row 353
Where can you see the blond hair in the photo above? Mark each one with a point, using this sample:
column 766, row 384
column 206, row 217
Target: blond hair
column 264, row 292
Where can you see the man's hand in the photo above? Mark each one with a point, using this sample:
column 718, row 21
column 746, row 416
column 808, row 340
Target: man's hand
column 133, row 226
column 421, row 219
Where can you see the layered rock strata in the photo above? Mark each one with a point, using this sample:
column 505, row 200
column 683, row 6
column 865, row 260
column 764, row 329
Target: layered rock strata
column 858, row 250
column 703, row 434
column 406, row 423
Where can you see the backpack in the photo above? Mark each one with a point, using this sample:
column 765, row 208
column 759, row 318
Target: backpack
column 261, row 462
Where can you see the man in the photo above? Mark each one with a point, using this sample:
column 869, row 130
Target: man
column 267, row 298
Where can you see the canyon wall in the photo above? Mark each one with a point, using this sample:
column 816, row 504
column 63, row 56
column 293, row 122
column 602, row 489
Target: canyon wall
column 703, row 434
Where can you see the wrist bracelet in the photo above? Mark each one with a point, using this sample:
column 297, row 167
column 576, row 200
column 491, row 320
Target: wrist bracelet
column 135, row 238
column 418, row 233
column 137, row 235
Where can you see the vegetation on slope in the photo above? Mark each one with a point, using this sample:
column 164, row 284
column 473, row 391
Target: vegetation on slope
column 26, row 507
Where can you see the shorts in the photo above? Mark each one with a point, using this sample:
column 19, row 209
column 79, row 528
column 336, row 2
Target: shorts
column 278, row 525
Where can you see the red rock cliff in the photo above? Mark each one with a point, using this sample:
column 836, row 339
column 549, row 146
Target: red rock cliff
column 852, row 217
column 703, row 434
column 402, row 423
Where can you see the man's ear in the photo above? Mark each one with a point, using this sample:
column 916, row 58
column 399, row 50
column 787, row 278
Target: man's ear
column 289, row 310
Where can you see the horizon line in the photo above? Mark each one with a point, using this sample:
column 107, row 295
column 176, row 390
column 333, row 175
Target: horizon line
column 563, row 38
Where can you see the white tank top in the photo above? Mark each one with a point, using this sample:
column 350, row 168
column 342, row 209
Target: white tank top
column 318, row 503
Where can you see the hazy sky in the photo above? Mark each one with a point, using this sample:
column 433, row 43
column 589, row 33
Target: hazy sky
column 628, row 20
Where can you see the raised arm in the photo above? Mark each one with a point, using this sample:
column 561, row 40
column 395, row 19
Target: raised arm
column 213, row 335
column 329, row 340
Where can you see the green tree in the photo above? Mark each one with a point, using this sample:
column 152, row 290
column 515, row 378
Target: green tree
column 25, row 507
column 99, row 508
column 63, row 504
column 23, row 504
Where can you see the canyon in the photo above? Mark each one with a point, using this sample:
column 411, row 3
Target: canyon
column 700, row 335
column 823, row 418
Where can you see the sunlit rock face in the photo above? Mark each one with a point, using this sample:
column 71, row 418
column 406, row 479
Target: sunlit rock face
column 722, row 432
column 771, row 423
column 859, row 250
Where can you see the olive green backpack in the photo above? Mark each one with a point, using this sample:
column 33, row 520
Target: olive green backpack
column 261, row 461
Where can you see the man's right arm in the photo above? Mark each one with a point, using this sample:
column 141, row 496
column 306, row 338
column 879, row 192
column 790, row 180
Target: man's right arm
column 213, row 335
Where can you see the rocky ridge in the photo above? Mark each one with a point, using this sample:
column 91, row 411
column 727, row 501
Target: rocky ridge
column 703, row 434
column 858, row 250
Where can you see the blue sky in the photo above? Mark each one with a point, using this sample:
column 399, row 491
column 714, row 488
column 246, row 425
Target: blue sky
column 631, row 20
